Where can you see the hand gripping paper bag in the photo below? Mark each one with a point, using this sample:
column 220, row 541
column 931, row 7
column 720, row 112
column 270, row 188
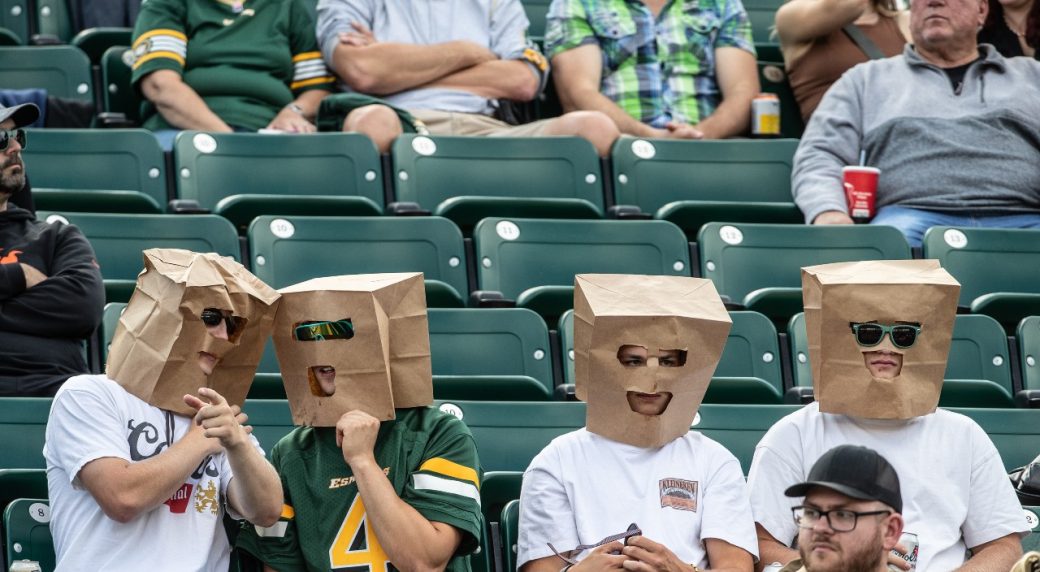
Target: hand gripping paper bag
column 354, row 342
column 155, row 349
column 671, row 315
column 879, row 335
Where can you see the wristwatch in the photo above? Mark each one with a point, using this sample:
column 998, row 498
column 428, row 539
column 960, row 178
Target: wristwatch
column 295, row 108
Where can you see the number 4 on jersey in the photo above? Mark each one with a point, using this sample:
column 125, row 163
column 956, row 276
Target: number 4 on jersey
column 356, row 548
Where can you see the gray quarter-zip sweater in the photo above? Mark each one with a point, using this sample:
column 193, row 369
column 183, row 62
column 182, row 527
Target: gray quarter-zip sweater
column 971, row 150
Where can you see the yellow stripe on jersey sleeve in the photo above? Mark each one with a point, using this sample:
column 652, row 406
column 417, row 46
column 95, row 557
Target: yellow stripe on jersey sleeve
column 308, row 82
column 288, row 512
column 306, row 56
column 451, row 469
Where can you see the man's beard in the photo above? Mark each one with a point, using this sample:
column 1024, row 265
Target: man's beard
column 862, row 558
column 12, row 182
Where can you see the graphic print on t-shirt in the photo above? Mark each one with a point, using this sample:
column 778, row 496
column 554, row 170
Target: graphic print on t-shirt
column 145, row 443
column 10, row 257
column 678, row 494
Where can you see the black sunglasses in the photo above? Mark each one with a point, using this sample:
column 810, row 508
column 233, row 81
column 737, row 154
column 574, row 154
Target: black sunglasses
column 870, row 334
column 212, row 317
column 568, row 555
column 5, row 138
column 321, row 330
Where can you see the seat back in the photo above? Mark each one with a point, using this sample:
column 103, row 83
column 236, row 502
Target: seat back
column 116, row 74
column 27, row 532
column 23, row 421
column 119, row 239
column 291, row 249
column 762, row 14
column 510, row 527
column 468, row 178
column 21, row 483
column 987, row 260
column 536, row 10
column 516, row 255
column 742, row 258
column 1028, row 336
column 110, row 170
column 1032, row 542
column 109, row 322
column 64, row 71
column 503, row 341
column 243, row 175
column 54, row 18
column 652, row 174
column 96, row 41
column 14, row 16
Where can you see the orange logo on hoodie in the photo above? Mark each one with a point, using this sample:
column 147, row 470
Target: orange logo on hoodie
column 10, row 257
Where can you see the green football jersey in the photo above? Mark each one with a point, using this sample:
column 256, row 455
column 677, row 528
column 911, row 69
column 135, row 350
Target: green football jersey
column 428, row 456
column 246, row 59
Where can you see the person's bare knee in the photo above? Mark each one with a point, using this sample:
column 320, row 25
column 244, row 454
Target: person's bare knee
column 378, row 122
column 594, row 126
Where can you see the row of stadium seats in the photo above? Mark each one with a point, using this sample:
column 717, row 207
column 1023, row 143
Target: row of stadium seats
column 241, row 176
column 509, row 354
column 533, row 261
column 507, row 435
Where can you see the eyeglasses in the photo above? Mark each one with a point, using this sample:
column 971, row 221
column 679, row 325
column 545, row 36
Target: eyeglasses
column 318, row 330
column 870, row 334
column 6, row 134
column 840, row 520
column 567, row 555
column 212, row 317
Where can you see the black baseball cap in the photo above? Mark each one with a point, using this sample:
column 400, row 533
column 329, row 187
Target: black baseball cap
column 24, row 114
column 859, row 472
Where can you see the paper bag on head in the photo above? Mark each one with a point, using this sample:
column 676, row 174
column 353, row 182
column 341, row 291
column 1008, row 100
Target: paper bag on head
column 657, row 313
column 155, row 349
column 371, row 329
column 887, row 292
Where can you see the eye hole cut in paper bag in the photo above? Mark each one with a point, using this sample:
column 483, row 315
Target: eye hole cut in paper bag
column 372, row 328
column 659, row 313
column 886, row 292
column 155, row 349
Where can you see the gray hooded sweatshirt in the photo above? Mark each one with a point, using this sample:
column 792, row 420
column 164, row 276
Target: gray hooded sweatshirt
column 975, row 150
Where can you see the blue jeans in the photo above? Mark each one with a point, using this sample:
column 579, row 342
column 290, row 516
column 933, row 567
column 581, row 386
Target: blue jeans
column 913, row 222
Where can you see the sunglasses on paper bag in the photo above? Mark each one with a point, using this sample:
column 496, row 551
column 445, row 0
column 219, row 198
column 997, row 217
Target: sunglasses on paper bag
column 870, row 334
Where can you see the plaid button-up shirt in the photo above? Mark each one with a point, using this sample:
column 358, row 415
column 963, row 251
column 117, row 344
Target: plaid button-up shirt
column 657, row 70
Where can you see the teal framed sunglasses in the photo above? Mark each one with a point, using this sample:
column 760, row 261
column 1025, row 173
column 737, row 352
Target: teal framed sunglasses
column 870, row 334
column 321, row 330
column 7, row 134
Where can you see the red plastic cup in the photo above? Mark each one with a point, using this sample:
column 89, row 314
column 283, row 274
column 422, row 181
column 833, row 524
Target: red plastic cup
column 861, row 190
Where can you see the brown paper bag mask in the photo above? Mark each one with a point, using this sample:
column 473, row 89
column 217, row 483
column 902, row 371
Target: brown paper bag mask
column 371, row 330
column 886, row 380
column 155, row 349
column 660, row 314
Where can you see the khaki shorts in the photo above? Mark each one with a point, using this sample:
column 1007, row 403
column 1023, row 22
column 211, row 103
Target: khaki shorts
column 454, row 123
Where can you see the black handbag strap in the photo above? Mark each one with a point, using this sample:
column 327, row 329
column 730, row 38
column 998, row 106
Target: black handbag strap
column 863, row 42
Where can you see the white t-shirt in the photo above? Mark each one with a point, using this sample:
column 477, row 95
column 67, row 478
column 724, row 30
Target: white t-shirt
column 584, row 487
column 955, row 491
column 93, row 417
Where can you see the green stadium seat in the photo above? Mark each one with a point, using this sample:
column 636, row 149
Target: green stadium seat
column 468, row 178
column 769, row 51
column 978, row 370
column 241, row 176
column 772, row 76
column 999, row 269
column 1032, row 542
column 536, row 10
column 97, row 170
column 21, row 483
column 759, row 265
column 109, row 322
column 691, row 183
column 267, row 386
column 497, row 488
column 22, row 423
column 748, row 372
column 1028, row 338
column 291, row 249
column 119, row 95
column 534, row 261
column 27, row 532
column 64, row 71
column 54, row 18
column 762, row 14
column 96, row 41
column 8, row 37
column 14, row 16
column 119, row 239
column 491, row 342
column 510, row 527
